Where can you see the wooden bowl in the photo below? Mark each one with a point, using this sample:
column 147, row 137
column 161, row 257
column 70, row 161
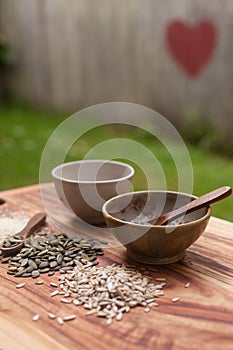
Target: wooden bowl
column 127, row 218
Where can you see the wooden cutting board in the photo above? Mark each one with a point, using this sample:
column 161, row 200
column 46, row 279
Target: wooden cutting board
column 202, row 318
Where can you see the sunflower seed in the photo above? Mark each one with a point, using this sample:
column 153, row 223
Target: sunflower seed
column 39, row 282
column 150, row 300
column 147, row 309
column 109, row 321
column 55, row 292
column 101, row 314
column 66, row 301
column 109, row 291
column 60, row 321
column 69, row 317
column 35, row 317
column 175, row 299
column 53, row 284
column 153, row 304
column 91, row 312
column 119, row 317
column 20, row 285
column 160, row 279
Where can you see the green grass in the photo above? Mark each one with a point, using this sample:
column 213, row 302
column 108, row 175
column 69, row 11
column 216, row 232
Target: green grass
column 25, row 131
column 23, row 134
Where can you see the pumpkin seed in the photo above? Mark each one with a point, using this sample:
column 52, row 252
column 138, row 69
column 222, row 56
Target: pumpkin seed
column 24, row 262
column 12, row 268
column 43, row 264
column 26, row 274
column 53, row 264
column 19, row 273
column 59, row 259
column 47, row 253
column 51, row 273
column 35, row 273
column 6, row 259
column 32, row 264
column 46, row 269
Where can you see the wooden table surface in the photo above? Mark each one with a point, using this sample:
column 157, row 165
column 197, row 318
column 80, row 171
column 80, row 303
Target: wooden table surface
column 202, row 318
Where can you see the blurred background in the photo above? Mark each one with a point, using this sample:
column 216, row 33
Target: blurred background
column 59, row 56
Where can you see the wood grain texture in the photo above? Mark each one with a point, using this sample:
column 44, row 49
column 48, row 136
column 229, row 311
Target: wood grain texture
column 85, row 52
column 203, row 318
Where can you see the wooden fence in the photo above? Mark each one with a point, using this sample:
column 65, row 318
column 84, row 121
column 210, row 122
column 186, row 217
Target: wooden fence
column 75, row 53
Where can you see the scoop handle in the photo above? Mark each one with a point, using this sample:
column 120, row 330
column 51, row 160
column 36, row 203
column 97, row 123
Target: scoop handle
column 33, row 224
column 206, row 199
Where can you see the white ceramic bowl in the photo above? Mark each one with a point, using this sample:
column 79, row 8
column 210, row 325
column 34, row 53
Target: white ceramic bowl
column 84, row 186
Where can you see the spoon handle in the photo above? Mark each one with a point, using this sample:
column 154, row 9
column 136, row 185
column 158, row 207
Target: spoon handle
column 33, row 224
column 206, row 199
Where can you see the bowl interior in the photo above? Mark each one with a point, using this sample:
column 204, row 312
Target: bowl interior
column 141, row 207
column 93, row 171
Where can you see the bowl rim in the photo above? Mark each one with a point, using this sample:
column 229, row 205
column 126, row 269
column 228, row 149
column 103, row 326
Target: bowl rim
column 107, row 215
column 63, row 165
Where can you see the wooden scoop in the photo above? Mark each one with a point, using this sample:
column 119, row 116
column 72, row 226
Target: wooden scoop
column 206, row 199
column 32, row 225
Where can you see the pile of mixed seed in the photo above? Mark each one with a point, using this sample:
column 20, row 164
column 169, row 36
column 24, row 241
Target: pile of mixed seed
column 107, row 292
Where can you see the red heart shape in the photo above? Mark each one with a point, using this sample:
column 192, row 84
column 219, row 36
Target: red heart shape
column 191, row 46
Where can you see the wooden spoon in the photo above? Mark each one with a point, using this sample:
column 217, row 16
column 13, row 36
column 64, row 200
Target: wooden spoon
column 206, row 199
column 33, row 224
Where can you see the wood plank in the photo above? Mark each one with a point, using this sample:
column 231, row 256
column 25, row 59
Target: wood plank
column 202, row 318
column 79, row 53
